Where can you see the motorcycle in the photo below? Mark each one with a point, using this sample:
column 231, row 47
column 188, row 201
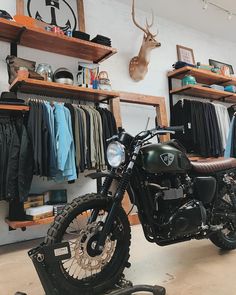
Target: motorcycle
column 177, row 200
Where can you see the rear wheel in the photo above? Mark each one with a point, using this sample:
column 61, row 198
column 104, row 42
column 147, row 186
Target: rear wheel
column 226, row 238
column 88, row 272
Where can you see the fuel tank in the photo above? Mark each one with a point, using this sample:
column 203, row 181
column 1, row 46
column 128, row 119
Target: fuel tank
column 163, row 158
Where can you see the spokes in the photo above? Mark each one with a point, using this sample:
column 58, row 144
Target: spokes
column 82, row 235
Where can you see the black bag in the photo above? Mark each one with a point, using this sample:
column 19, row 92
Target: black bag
column 14, row 63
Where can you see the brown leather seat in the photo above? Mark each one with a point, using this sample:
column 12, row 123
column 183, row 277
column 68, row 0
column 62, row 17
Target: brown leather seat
column 215, row 165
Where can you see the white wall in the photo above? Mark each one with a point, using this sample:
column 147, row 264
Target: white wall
column 110, row 18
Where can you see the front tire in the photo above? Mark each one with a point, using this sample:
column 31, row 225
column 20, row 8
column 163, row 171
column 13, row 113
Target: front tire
column 87, row 273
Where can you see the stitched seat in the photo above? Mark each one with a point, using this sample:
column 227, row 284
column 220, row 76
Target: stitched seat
column 211, row 166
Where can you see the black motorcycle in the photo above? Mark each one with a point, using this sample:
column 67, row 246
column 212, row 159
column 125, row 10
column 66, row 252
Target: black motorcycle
column 177, row 200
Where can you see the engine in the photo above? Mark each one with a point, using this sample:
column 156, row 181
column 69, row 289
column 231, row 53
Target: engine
column 177, row 213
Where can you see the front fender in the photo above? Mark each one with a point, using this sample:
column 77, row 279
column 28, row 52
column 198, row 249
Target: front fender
column 98, row 175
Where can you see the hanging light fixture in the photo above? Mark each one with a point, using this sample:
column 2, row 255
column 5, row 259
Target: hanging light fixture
column 205, row 5
column 230, row 15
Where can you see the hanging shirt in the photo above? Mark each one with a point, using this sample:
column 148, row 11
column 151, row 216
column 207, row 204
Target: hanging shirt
column 230, row 139
column 223, row 121
column 49, row 114
column 64, row 144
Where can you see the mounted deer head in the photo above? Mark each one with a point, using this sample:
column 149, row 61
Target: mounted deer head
column 138, row 66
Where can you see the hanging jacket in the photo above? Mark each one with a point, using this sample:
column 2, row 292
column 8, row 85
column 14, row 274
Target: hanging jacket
column 16, row 160
column 52, row 158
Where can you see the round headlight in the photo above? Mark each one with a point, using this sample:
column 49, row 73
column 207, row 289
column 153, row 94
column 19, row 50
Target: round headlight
column 115, row 154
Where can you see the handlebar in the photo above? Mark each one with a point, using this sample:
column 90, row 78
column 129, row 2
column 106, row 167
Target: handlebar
column 160, row 130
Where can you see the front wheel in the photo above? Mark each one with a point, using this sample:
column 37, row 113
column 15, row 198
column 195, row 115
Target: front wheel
column 88, row 272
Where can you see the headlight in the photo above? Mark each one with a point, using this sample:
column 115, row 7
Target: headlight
column 115, row 154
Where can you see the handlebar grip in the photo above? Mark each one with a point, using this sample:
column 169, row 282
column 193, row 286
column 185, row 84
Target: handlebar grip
column 175, row 128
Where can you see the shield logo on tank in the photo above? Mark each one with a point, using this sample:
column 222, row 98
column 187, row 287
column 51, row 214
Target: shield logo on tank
column 167, row 158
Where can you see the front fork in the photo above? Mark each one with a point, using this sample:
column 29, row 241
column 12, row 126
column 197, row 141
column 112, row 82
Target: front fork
column 117, row 200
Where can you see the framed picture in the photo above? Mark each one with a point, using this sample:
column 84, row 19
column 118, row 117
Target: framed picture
column 220, row 65
column 66, row 14
column 185, row 54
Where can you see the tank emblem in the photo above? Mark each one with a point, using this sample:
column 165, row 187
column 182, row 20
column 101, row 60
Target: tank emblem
column 167, row 158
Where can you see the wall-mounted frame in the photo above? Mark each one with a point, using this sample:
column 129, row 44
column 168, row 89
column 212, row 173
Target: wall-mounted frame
column 22, row 4
column 219, row 64
column 185, row 54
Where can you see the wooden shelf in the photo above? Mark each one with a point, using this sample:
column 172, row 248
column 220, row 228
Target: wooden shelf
column 11, row 107
column 47, row 41
column 27, row 223
column 133, row 219
column 202, row 76
column 204, row 92
column 60, row 90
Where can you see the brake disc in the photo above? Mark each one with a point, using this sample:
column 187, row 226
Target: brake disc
column 85, row 246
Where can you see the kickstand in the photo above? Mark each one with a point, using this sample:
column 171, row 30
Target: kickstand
column 125, row 287
column 155, row 290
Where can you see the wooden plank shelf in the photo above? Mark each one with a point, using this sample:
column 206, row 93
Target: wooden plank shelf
column 202, row 76
column 204, row 92
column 27, row 223
column 47, row 41
column 58, row 90
column 13, row 225
column 10, row 107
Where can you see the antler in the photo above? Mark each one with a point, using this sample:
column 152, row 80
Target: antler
column 135, row 22
column 148, row 26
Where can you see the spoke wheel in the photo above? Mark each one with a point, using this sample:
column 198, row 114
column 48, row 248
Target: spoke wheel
column 226, row 238
column 89, row 271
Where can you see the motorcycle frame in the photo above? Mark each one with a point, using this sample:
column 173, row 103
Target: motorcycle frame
column 133, row 181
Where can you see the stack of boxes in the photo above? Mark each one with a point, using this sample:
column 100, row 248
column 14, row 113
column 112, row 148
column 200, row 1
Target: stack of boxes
column 45, row 205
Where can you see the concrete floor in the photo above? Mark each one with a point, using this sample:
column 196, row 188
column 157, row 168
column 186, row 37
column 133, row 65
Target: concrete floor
column 192, row 268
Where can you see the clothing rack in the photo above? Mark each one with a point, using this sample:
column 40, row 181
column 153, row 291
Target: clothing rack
column 157, row 102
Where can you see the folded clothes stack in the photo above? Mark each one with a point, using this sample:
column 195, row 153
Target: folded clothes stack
column 102, row 40
column 11, row 98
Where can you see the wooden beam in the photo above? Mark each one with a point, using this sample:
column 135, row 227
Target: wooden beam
column 162, row 120
column 141, row 98
column 81, row 18
column 156, row 101
column 20, row 7
column 115, row 109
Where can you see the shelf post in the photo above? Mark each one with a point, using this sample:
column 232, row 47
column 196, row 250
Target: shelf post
column 19, row 7
column 13, row 49
column 170, row 84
